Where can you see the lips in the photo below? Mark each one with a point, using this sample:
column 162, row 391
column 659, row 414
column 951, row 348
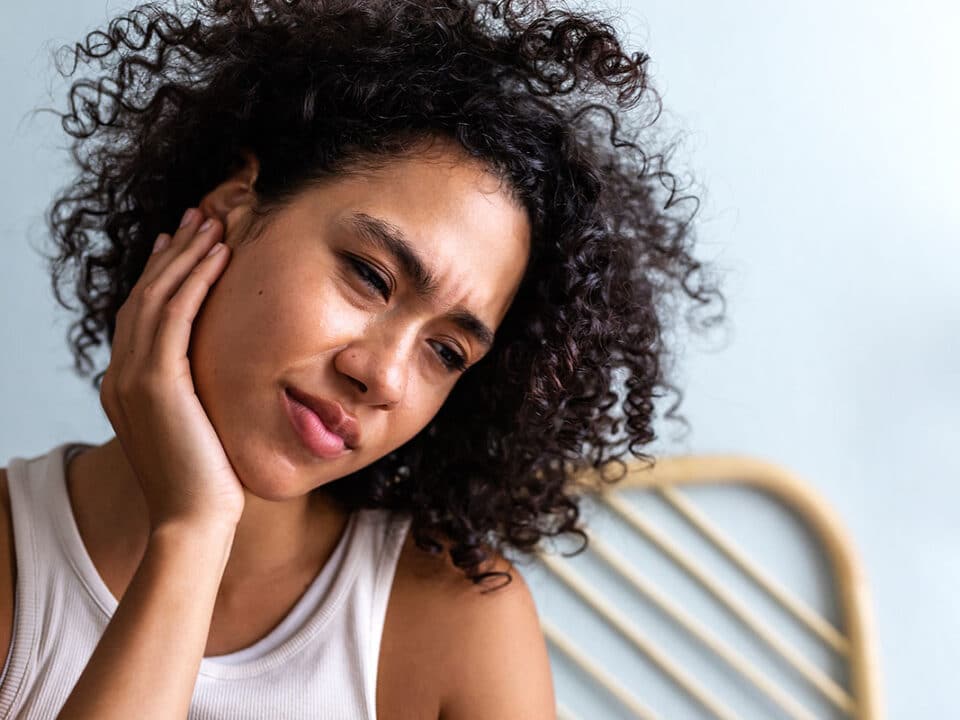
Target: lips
column 331, row 414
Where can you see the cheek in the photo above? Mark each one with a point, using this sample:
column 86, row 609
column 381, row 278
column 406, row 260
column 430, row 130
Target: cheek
column 287, row 311
column 303, row 321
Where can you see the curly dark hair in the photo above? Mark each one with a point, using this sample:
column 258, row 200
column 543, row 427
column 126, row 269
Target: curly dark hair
column 541, row 94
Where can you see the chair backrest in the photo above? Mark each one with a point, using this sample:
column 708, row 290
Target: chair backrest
column 671, row 480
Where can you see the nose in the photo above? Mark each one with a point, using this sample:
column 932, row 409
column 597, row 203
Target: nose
column 377, row 365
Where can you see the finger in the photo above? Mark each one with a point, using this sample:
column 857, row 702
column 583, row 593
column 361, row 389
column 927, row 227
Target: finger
column 175, row 325
column 126, row 337
column 122, row 321
column 155, row 294
column 161, row 257
column 161, row 243
column 135, row 321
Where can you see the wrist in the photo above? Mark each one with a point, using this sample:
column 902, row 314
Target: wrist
column 204, row 529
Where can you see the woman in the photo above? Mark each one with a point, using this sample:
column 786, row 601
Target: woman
column 375, row 289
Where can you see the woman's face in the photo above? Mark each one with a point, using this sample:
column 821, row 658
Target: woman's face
column 321, row 304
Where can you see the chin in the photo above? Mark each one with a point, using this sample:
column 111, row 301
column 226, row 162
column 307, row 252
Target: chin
column 277, row 478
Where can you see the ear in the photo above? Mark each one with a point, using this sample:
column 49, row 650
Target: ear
column 234, row 192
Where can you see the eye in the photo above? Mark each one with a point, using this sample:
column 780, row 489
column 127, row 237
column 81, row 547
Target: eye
column 370, row 276
column 450, row 358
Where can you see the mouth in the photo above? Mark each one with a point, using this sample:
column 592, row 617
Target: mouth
column 324, row 427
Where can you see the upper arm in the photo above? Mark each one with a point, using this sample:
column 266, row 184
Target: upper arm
column 7, row 569
column 499, row 667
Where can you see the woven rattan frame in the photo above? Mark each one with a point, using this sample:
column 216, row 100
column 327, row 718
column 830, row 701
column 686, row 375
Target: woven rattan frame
column 668, row 477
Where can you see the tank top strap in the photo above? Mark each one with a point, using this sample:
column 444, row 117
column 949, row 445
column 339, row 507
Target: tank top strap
column 38, row 501
column 373, row 590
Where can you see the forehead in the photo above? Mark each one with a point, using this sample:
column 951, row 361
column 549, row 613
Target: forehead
column 460, row 219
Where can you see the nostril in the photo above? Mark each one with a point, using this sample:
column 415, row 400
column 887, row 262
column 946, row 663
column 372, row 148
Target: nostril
column 363, row 388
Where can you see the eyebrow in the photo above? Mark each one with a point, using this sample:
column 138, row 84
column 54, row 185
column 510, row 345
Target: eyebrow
column 392, row 240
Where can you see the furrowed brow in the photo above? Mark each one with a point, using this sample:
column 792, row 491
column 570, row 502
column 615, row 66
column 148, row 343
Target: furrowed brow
column 391, row 239
column 468, row 322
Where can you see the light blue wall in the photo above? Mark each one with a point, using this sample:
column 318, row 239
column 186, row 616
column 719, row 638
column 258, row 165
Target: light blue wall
column 824, row 136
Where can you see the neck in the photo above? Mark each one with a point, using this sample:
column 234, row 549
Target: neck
column 273, row 539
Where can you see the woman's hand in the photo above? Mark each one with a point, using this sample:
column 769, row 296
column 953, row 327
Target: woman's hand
column 148, row 392
column 139, row 668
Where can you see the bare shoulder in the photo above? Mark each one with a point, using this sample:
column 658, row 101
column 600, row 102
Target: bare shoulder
column 480, row 650
column 7, row 568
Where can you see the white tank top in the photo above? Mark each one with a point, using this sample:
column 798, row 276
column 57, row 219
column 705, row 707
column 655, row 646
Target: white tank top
column 320, row 661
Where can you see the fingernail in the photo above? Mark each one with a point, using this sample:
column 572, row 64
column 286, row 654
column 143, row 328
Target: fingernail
column 206, row 225
column 214, row 250
column 187, row 217
column 161, row 242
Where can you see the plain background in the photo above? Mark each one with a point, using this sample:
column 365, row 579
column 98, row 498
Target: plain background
column 823, row 137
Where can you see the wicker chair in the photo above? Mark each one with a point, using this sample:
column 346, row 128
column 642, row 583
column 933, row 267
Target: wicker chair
column 670, row 479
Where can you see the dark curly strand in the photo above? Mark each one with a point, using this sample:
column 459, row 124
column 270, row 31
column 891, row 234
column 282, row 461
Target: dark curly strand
column 317, row 88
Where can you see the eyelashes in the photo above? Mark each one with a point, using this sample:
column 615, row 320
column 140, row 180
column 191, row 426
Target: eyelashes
column 370, row 276
column 450, row 358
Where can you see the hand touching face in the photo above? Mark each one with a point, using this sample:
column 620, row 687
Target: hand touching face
column 148, row 392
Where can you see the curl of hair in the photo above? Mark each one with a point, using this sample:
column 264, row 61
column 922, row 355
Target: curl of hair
column 539, row 92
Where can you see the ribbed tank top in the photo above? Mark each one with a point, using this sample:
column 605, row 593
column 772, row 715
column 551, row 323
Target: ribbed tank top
column 320, row 661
